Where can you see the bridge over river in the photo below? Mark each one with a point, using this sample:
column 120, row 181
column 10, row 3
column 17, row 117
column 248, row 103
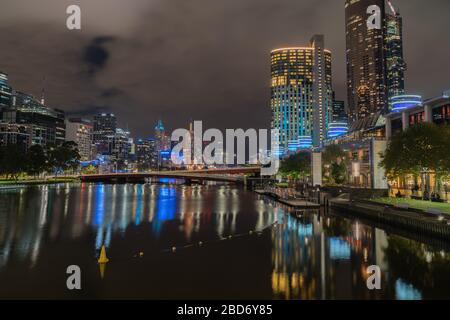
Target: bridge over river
column 234, row 175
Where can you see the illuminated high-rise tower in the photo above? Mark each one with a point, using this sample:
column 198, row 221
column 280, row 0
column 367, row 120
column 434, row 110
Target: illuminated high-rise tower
column 105, row 125
column 395, row 63
column 301, row 94
column 366, row 65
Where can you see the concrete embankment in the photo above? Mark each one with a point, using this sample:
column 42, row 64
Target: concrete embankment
column 417, row 222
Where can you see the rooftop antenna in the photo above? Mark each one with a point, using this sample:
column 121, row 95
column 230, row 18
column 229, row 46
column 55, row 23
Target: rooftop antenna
column 392, row 7
column 43, row 92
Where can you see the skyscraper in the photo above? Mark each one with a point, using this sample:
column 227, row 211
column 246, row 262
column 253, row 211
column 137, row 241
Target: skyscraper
column 80, row 131
column 163, row 145
column 395, row 63
column 105, row 125
column 366, row 65
column 163, row 138
column 47, row 124
column 5, row 91
column 339, row 120
column 120, row 145
column 301, row 94
column 147, row 154
column 338, row 110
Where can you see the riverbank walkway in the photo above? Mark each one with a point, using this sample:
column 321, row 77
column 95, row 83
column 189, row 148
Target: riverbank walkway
column 289, row 197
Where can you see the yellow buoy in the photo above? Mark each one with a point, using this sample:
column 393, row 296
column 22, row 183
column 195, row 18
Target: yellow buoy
column 102, row 267
column 103, row 258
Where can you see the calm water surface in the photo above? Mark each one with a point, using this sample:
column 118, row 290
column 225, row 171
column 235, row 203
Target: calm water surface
column 211, row 241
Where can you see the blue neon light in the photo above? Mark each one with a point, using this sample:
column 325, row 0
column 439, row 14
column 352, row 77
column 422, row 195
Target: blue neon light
column 402, row 102
column 337, row 129
column 305, row 142
column 165, row 154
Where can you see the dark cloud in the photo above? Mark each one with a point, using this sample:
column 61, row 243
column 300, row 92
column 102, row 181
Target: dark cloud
column 111, row 92
column 96, row 55
column 88, row 111
column 198, row 59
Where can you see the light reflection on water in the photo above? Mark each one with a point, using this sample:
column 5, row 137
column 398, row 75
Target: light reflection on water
column 313, row 256
column 108, row 209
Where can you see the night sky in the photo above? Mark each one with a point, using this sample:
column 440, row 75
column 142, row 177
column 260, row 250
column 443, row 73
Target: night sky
column 191, row 59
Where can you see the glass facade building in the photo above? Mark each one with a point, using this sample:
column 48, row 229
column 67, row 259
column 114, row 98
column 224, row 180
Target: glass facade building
column 105, row 125
column 147, row 154
column 48, row 125
column 5, row 91
column 338, row 112
column 301, row 95
column 395, row 63
column 366, row 65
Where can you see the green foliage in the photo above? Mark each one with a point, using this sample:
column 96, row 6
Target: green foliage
column 14, row 160
column 332, row 153
column 90, row 169
column 296, row 166
column 334, row 164
column 36, row 160
column 338, row 172
column 420, row 148
column 63, row 157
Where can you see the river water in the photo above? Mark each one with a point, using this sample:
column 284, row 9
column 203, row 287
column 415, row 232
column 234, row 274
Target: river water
column 171, row 241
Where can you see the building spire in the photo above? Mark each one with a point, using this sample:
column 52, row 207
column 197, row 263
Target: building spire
column 43, row 92
column 392, row 7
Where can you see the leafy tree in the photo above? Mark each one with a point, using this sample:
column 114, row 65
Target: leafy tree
column 423, row 147
column 12, row 161
column 332, row 153
column 63, row 157
column 36, row 160
column 297, row 166
column 90, row 169
column 420, row 149
column 338, row 172
column 334, row 164
column 72, row 155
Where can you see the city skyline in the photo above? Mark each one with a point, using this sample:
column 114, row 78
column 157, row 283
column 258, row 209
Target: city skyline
column 237, row 149
column 111, row 67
